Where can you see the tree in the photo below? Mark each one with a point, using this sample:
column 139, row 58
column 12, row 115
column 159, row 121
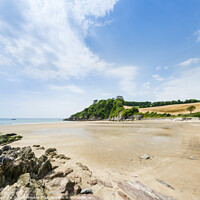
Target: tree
column 120, row 97
column 191, row 108
column 95, row 101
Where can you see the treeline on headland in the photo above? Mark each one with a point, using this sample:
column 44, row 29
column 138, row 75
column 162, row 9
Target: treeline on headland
column 103, row 109
column 147, row 104
column 113, row 109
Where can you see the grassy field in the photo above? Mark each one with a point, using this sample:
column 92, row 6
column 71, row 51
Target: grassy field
column 172, row 109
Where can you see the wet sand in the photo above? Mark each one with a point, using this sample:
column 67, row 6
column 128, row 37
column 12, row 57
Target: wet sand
column 112, row 151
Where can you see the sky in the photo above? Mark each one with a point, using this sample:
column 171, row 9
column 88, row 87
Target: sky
column 56, row 57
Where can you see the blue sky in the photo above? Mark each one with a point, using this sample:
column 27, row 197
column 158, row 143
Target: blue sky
column 57, row 56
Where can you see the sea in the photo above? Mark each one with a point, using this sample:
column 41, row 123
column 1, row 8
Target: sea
column 9, row 121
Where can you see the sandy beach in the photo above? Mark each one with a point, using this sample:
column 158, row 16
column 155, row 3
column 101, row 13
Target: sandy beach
column 112, row 152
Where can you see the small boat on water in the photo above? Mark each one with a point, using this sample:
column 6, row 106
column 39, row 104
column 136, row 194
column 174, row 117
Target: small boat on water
column 13, row 119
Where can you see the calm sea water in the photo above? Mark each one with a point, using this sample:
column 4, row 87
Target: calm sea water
column 6, row 121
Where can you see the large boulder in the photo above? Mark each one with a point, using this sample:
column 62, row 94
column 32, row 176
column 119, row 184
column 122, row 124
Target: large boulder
column 15, row 162
column 24, row 188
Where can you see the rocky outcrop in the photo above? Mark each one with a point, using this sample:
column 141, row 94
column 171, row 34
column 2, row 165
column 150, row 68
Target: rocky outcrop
column 9, row 138
column 25, row 188
column 139, row 191
column 17, row 161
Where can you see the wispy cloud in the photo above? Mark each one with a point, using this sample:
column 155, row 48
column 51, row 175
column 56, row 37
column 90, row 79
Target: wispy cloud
column 188, row 62
column 48, row 40
column 158, row 77
column 126, row 76
column 197, row 34
column 72, row 88
column 184, row 85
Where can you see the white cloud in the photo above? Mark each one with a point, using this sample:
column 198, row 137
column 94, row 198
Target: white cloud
column 126, row 75
column 158, row 77
column 49, row 42
column 183, row 86
column 158, row 68
column 188, row 62
column 197, row 33
column 72, row 88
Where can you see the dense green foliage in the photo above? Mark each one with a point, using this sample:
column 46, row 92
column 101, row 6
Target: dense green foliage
column 197, row 114
column 112, row 108
column 105, row 109
column 155, row 115
column 159, row 103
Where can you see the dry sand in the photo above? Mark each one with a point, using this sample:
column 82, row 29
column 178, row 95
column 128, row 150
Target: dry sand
column 112, row 151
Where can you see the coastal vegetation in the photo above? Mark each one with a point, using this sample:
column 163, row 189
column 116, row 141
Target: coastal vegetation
column 191, row 108
column 147, row 104
column 105, row 109
column 119, row 109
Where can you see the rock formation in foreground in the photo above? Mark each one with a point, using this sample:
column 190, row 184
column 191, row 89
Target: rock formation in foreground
column 55, row 176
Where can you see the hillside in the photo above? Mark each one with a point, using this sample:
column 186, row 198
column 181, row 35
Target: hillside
column 105, row 109
column 171, row 109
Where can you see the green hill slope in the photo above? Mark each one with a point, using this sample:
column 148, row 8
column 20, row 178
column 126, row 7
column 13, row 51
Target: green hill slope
column 104, row 109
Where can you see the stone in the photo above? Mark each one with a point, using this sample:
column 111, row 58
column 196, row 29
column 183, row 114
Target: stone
column 77, row 189
column 100, row 182
column 83, row 167
column 92, row 182
column 145, row 156
column 164, row 183
column 42, row 159
column 40, row 148
column 68, row 171
column 139, row 191
column 56, row 175
column 86, row 191
column 44, row 169
column 191, row 157
column 36, row 145
column 24, row 188
column 50, row 150
column 6, row 148
column 123, row 196
column 1, row 151
column 67, row 185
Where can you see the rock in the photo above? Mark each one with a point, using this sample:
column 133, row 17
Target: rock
column 40, row 148
column 36, row 145
column 92, row 182
column 61, row 186
column 86, row 191
column 100, row 182
column 85, row 197
column 6, row 148
column 67, row 185
column 9, row 138
column 164, row 183
column 145, row 156
column 44, row 169
column 191, row 157
column 24, row 188
column 68, row 171
column 77, row 189
column 42, row 159
column 56, row 175
column 123, row 196
column 1, row 151
column 83, row 167
column 139, row 191
column 50, row 150
column 62, row 156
